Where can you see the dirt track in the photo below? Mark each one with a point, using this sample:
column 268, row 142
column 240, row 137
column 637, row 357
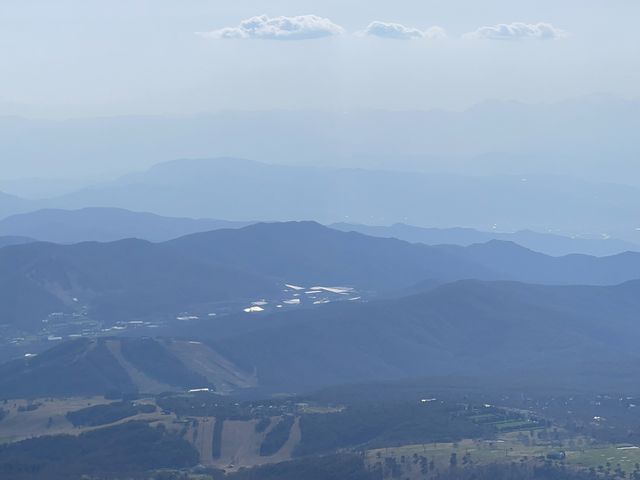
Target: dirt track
column 241, row 444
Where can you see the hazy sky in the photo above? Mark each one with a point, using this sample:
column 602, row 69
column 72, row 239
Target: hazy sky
column 85, row 58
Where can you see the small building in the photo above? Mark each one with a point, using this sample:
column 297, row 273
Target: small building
column 556, row 456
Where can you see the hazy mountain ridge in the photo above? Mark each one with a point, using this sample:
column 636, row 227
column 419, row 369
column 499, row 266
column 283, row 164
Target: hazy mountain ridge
column 112, row 224
column 501, row 137
column 10, row 204
column 104, row 225
column 548, row 243
column 241, row 189
column 9, row 240
column 517, row 262
column 119, row 280
column 322, row 253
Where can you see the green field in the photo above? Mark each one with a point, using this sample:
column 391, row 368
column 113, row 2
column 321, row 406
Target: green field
column 624, row 455
column 509, row 448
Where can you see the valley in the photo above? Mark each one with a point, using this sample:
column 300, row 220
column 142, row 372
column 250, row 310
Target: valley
column 286, row 349
column 279, row 348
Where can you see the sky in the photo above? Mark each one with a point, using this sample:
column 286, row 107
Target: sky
column 90, row 58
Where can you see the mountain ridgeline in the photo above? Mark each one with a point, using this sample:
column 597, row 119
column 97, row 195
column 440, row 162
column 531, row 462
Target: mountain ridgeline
column 104, row 225
column 10, row 204
column 8, row 240
column 548, row 243
column 234, row 188
column 131, row 279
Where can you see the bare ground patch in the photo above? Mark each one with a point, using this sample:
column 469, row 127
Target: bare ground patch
column 214, row 367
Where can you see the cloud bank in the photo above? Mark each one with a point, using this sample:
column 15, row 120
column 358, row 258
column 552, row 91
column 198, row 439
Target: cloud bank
column 302, row 27
column 397, row 31
column 517, row 31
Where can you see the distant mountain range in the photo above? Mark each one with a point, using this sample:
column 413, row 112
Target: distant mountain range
column 129, row 279
column 307, row 252
column 238, row 189
column 104, row 225
column 10, row 204
column 548, row 243
column 6, row 241
column 561, row 336
column 112, row 224
column 594, row 135
column 242, row 189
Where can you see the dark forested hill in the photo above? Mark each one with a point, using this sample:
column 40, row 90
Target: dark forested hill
column 124, row 365
column 79, row 367
column 131, row 278
column 119, row 280
column 465, row 328
column 308, row 253
column 498, row 331
column 129, row 450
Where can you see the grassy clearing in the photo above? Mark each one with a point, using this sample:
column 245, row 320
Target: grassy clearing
column 506, row 449
column 510, row 448
column 594, row 457
column 50, row 417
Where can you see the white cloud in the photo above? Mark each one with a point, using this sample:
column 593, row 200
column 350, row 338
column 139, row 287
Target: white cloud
column 398, row 31
column 518, row 31
column 435, row 33
column 301, row 27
